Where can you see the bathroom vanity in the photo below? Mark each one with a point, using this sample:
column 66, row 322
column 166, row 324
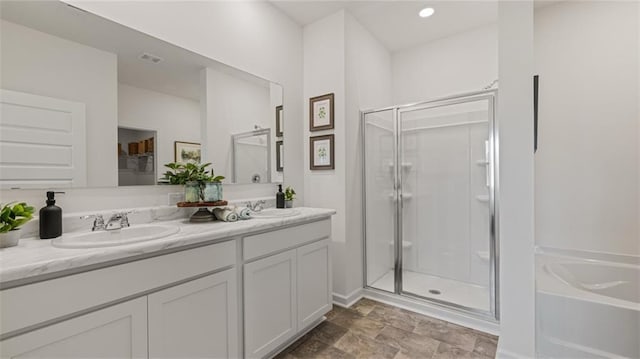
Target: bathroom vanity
column 243, row 289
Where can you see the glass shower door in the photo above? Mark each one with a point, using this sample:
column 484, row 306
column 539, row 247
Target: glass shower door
column 446, row 195
column 380, row 211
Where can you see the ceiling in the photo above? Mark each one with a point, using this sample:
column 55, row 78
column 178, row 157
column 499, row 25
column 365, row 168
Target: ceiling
column 396, row 23
column 177, row 74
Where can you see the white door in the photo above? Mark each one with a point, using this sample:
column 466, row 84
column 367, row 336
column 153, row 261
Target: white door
column 314, row 282
column 270, row 303
column 42, row 142
column 197, row 319
column 119, row 331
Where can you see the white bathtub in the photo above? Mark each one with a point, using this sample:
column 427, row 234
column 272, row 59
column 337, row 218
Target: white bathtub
column 587, row 304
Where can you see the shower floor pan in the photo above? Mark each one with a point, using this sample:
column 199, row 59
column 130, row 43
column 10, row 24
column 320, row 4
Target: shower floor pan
column 452, row 291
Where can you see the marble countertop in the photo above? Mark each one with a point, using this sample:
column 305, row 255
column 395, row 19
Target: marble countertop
column 35, row 258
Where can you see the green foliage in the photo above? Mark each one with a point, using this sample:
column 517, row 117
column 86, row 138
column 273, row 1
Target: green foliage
column 12, row 217
column 181, row 173
column 289, row 194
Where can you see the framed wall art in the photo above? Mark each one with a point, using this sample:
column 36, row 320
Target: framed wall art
column 279, row 121
column 321, row 112
column 321, row 150
column 187, row 152
column 279, row 156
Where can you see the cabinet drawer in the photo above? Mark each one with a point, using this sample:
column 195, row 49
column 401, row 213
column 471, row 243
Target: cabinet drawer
column 44, row 301
column 262, row 244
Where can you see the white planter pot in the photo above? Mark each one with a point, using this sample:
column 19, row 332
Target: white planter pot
column 10, row 239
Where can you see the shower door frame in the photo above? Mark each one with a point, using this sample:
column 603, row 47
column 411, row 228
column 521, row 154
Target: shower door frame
column 492, row 168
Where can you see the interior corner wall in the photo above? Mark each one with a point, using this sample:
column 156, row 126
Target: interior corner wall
column 173, row 118
column 342, row 57
column 253, row 36
column 452, row 65
column 587, row 163
column 324, row 72
column 41, row 64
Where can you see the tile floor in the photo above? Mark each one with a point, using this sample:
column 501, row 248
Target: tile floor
column 371, row 329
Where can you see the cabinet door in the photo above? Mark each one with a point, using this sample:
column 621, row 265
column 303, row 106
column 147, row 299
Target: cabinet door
column 119, row 331
column 269, row 302
column 314, row 282
column 197, row 319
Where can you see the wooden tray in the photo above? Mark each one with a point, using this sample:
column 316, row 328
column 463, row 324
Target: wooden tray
column 202, row 204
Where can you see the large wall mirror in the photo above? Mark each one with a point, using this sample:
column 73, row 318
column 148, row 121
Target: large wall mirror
column 86, row 102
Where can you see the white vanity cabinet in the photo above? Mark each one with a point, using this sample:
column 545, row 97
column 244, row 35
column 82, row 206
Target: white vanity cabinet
column 228, row 298
column 270, row 303
column 186, row 305
column 287, row 285
column 119, row 331
column 195, row 319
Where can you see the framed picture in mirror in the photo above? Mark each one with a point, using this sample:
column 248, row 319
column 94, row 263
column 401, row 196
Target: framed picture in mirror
column 321, row 112
column 321, row 150
column 187, row 152
column 279, row 121
column 279, row 156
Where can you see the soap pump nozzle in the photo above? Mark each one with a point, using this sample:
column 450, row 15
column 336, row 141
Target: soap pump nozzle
column 51, row 200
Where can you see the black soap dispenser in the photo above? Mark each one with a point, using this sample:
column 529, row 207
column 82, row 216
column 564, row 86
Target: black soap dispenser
column 50, row 218
column 280, row 197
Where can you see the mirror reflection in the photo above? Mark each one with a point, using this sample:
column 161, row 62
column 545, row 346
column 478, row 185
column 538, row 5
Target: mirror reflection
column 75, row 87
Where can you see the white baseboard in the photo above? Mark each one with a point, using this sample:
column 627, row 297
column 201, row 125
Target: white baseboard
column 501, row 353
column 347, row 300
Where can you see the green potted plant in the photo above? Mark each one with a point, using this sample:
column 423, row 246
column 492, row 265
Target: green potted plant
column 195, row 179
column 12, row 216
column 213, row 188
column 289, row 196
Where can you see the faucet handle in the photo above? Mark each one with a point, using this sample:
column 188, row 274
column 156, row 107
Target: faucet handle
column 98, row 222
column 124, row 220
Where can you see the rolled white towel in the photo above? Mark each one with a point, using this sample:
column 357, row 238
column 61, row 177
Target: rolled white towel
column 225, row 214
column 243, row 213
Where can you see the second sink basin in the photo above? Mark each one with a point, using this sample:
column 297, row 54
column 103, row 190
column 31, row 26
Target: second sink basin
column 276, row 213
column 135, row 234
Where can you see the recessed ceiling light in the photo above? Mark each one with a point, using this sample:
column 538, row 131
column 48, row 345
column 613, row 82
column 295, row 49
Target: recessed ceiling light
column 426, row 12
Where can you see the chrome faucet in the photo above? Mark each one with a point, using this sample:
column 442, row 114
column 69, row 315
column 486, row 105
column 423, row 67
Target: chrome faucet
column 98, row 222
column 256, row 207
column 117, row 221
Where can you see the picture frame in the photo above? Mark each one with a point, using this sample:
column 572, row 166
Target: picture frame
column 187, row 152
column 279, row 121
column 322, row 152
column 321, row 112
column 279, row 156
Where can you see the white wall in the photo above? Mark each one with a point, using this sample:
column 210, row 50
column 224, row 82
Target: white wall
column 174, row 118
column 38, row 63
column 343, row 58
column 252, row 36
column 587, row 161
column 456, row 64
column 324, row 72
column 516, row 175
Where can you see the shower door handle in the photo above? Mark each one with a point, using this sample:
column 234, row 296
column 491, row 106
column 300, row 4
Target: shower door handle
column 487, row 161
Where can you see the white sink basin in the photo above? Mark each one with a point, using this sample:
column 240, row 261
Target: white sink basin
column 119, row 237
column 276, row 213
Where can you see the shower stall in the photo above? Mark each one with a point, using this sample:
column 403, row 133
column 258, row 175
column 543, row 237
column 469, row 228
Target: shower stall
column 430, row 202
